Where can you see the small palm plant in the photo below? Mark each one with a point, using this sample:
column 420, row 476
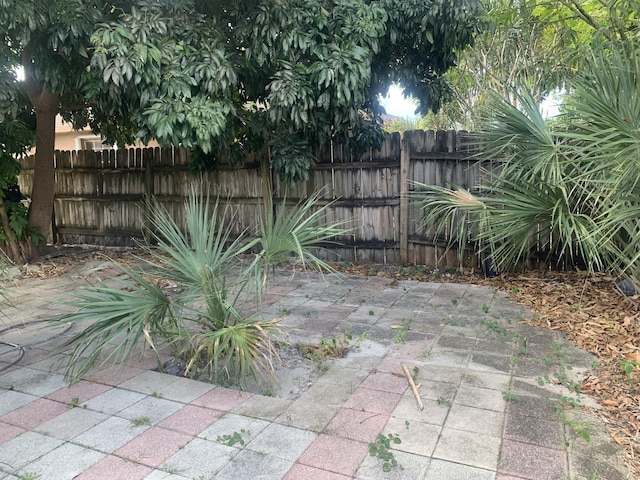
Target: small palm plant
column 191, row 292
column 569, row 187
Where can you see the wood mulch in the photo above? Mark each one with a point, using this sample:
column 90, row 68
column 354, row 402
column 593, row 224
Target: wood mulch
column 597, row 317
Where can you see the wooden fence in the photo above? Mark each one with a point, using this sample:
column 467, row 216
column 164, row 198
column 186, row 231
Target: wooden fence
column 100, row 195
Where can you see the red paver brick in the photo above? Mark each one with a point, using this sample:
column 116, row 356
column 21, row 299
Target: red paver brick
column 304, row 472
column 9, row 432
column 385, row 382
column 34, row 413
column 339, row 455
column 81, row 390
column 391, row 364
column 373, row 401
column 191, row 419
column 115, row 467
column 221, row 398
column 531, row 461
column 357, row 425
column 114, row 375
column 153, row 446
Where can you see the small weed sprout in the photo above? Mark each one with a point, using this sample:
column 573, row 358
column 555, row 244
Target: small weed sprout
column 233, row 439
column 582, row 429
column 443, row 401
column 74, row 402
column 494, row 326
column 139, row 421
column 29, row 476
column 485, row 308
column 381, row 449
column 327, row 348
column 269, row 391
column 401, row 333
column 508, row 396
column 628, row 367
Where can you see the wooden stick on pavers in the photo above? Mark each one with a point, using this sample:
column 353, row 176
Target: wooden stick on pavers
column 405, row 369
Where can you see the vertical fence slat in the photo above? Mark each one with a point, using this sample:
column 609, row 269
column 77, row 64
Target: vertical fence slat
column 100, row 196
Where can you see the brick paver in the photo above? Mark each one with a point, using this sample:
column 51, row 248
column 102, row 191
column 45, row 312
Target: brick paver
column 468, row 429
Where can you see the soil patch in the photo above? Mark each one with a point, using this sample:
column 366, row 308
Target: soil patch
column 300, row 366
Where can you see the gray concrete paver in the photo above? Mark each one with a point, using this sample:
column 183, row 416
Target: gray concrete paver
column 287, row 443
column 230, row 424
column 33, row 382
column 71, row 423
column 199, row 458
column 113, row 401
column 411, row 467
column 64, row 463
column 183, row 390
column 25, row 449
column 468, row 448
column 251, row 465
column 151, row 410
column 11, row 400
column 443, row 470
column 416, row 437
column 110, row 435
column 476, row 420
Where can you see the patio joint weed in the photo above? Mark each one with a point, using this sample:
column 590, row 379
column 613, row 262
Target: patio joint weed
column 233, row 439
column 381, row 449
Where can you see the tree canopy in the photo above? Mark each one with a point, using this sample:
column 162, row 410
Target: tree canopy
column 224, row 77
column 534, row 43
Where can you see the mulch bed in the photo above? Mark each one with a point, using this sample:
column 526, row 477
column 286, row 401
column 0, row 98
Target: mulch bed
column 597, row 317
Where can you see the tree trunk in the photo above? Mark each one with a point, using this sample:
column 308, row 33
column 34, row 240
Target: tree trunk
column 45, row 104
column 14, row 252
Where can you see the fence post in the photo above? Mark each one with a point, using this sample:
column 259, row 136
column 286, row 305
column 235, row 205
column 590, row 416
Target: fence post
column 405, row 162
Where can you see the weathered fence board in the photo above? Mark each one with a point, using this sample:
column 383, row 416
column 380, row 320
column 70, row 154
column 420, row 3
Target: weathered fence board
column 100, row 196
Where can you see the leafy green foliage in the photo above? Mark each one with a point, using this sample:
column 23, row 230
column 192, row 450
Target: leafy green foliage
column 381, row 449
column 227, row 78
column 219, row 75
column 192, row 292
column 571, row 183
column 532, row 43
column 231, row 440
column 300, row 231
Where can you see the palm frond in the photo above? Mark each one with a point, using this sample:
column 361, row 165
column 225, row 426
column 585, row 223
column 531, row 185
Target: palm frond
column 241, row 350
column 297, row 231
column 116, row 320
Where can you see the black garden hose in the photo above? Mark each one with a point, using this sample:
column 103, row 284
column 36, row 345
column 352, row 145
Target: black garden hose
column 21, row 347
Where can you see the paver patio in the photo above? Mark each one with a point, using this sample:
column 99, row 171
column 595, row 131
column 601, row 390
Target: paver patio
column 485, row 414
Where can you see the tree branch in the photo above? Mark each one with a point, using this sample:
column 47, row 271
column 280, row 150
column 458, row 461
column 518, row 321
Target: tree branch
column 576, row 7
